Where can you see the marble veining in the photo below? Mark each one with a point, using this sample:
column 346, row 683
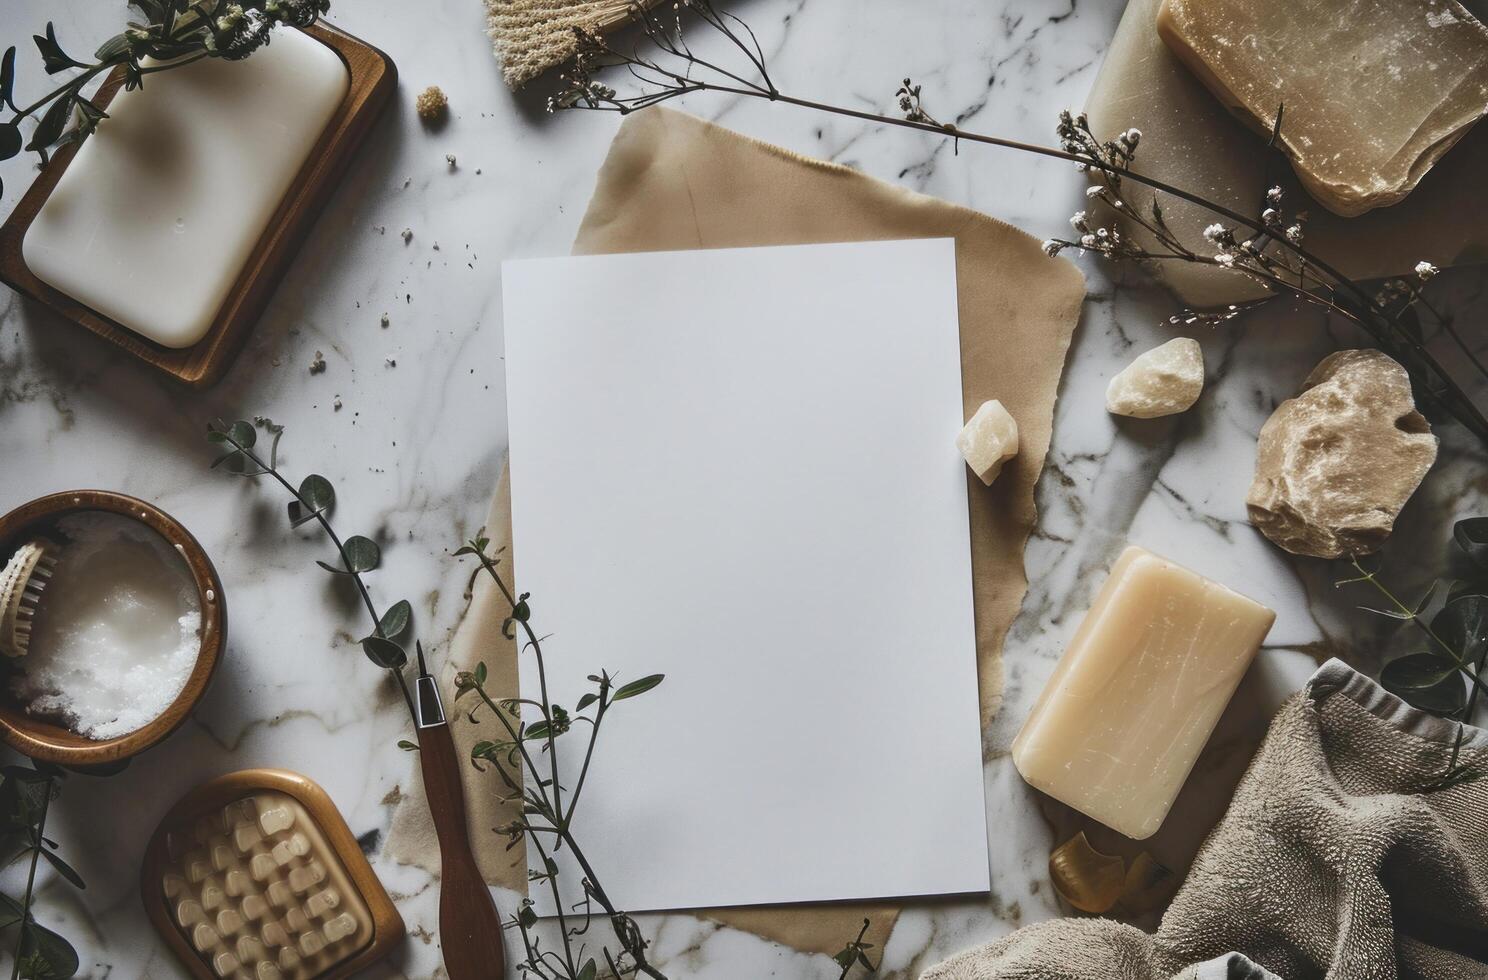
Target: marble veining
column 409, row 421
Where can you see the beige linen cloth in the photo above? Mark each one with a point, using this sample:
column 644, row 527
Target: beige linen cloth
column 1331, row 862
column 675, row 182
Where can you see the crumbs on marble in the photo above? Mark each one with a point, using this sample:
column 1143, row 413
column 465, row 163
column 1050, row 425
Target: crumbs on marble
column 336, row 405
column 380, row 229
column 385, row 321
column 391, row 361
column 407, row 235
column 449, row 158
column 318, row 363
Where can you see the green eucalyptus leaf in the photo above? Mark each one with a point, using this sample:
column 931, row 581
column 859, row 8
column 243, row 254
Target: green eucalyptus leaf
column 1462, row 625
column 1416, row 672
column 586, row 701
column 480, row 672
column 1447, row 698
column 7, row 79
column 44, row 954
column 638, row 687
column 316, row 497
column 54, row 59
column 243, row 433
column 395, row 621
column 1471, row 536
column 588, row 970
column 384, row 652
column 317, row 492
column 63, row 868
column 362, row 554
column 407, row 746
column 49, row 130
column 112, row 48
column 537, row 729
column 10, row 140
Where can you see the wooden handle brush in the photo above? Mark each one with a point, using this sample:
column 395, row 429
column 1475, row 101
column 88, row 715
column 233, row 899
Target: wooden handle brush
column 21, row 584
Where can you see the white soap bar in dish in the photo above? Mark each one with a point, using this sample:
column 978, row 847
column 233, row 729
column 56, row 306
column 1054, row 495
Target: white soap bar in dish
column 1134, row 699
column 154, row 219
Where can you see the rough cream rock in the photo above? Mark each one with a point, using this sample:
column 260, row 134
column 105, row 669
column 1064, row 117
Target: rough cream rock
column 1335, row 464
column 1164, row 381
column 989, row 440
column 1375, row 90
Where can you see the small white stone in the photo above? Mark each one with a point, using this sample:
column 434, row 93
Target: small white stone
column 1164, row 381
column 988, row 440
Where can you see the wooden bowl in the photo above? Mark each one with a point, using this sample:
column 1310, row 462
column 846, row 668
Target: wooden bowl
column 47, row 741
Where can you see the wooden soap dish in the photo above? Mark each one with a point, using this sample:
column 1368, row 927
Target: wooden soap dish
column 373, row 79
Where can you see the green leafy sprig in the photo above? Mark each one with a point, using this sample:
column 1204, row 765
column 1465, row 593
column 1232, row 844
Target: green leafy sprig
column 547, row 820
column 26, row 795
column 1446, row 677
column 313, row 500
column 172, row 33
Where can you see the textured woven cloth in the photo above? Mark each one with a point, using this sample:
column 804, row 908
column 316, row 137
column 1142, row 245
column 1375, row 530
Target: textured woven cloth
column 1330, row 863
column 531, row 36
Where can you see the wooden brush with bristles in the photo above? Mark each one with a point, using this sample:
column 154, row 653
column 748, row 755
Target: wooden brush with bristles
column 21, row 585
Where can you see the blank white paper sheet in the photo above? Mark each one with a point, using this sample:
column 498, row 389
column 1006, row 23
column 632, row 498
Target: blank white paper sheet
column 737, row 467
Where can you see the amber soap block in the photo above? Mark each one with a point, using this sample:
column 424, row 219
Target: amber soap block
column 1375, row 91
column 1134, row 699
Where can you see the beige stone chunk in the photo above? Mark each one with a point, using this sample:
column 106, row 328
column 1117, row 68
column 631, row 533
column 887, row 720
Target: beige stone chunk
column 1335, row 464
column 1375, row 90
column 1164, row 381
column 989, row 440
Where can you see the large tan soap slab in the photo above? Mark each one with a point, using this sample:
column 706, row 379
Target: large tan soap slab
column 1375, row 91
column 1191, row 141
column 1135, row 697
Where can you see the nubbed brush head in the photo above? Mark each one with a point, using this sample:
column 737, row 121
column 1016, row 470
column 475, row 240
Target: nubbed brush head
column 21, row 584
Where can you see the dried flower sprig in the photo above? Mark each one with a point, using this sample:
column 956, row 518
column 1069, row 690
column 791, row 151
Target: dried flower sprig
column 1267, row 247
column 173, row 33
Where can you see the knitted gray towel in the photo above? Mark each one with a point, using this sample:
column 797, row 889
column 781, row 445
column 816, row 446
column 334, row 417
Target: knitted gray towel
column 1330, row 863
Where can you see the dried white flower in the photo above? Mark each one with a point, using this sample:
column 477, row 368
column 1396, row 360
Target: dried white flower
column 1078, row 220
column 1215, row 232
column 1425, row 270
column 1274, row 195
column 1225, row 259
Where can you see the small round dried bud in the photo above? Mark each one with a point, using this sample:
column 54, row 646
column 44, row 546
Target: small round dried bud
column 1425, row 270
column 1274, row 194
column 431, row 104
column 1051, row 247
column 1079, row 221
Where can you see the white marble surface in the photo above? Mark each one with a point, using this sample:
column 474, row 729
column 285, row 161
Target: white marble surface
column 416, row 447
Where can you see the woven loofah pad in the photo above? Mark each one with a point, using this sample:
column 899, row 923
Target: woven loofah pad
column 531, row 36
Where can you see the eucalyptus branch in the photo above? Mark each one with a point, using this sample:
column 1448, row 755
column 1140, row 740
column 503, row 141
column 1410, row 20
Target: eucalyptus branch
column 25, row 801
column 1267, row 248
column 173, row 33
column 1457, row 632
column 313, row 500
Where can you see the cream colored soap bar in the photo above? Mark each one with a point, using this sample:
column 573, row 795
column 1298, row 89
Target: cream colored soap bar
column 155, row 217
column 1123, row 719
column 1375, row 91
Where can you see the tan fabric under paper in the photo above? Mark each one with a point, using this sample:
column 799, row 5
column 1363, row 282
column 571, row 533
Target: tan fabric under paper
column 675, row 182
